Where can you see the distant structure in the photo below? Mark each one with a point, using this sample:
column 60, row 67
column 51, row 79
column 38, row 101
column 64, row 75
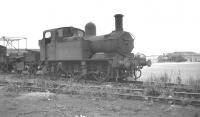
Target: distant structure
column 8, row 42
column 180, row 57
column 190, row 56
column 153, row 58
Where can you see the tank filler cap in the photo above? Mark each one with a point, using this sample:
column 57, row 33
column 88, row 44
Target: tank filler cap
column 90, row 29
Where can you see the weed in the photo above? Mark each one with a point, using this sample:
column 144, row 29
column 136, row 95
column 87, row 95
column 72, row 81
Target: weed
column 194, row 82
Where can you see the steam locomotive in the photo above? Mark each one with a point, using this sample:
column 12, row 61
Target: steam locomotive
column 82, row 54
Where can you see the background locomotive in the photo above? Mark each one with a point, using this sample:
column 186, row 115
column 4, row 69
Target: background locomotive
column 18, row 61
column 82, row 54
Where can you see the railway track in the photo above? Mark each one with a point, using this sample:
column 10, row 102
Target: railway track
column 182, row 95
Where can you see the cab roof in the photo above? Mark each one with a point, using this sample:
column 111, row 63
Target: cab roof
column 49, row 30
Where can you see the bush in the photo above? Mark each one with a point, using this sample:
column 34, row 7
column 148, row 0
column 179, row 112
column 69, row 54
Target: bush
column 153, row 91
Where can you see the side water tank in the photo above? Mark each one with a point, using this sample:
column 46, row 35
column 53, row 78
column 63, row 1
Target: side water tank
column 90, row 29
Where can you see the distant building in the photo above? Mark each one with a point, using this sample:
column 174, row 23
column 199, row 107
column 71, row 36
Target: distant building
column 176, row 57
column 190, row 56
column 179, row 57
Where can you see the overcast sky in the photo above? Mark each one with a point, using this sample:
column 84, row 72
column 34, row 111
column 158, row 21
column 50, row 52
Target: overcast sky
column 159, row 26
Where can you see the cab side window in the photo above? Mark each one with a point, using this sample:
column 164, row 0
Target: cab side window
column 80, row 33
column 60, row 32
column 67, row 32
column 47, row 37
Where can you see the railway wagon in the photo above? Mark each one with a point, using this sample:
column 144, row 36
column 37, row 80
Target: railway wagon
column 3, row 51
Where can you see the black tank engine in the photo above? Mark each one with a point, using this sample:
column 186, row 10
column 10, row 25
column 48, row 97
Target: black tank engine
column 82, row 54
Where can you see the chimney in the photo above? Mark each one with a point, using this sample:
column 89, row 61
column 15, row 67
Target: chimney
column 118, row 22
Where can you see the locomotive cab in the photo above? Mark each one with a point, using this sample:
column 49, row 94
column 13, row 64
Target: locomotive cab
column 62, row 33
column 61, row 44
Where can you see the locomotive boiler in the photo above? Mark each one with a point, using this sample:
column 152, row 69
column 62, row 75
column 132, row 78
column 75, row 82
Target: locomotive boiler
column 82, row 54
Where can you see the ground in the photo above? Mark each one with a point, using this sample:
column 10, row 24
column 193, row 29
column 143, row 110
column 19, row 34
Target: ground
column 40, row 104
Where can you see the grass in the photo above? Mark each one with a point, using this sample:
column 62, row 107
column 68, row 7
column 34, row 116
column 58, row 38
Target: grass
column 158, row 84
column 164, row 78
column 194, row 82
column 168, row 78
column 12, row 90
